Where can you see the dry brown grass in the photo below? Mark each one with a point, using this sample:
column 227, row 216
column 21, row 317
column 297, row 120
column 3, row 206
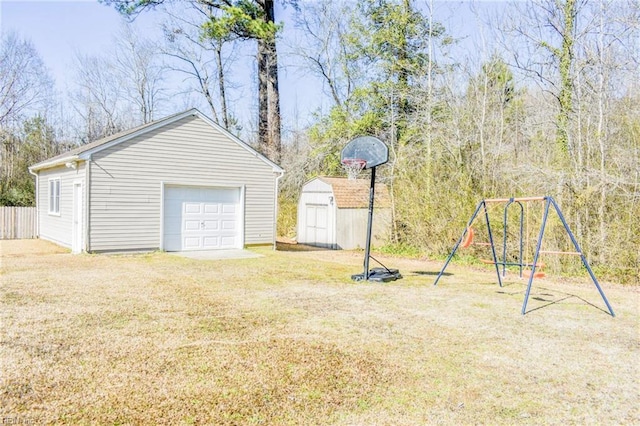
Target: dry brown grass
column 289, row 339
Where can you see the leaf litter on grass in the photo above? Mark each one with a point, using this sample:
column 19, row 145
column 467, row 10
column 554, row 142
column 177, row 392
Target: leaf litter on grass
column 290, row 339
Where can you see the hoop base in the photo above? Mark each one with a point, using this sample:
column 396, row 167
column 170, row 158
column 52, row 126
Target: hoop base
column 380, row 275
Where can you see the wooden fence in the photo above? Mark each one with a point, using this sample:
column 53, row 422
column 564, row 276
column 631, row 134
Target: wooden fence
column 18, row 223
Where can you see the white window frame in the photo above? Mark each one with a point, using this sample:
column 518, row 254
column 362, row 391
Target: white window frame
column 54, row 196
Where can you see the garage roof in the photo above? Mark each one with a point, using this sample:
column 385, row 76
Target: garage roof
column 84, row 152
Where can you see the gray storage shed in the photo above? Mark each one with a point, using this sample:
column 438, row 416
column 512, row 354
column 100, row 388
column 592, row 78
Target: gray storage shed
column 333, row 213
column 176, row 184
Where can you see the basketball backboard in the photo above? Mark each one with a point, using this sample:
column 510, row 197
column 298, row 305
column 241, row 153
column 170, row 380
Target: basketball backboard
column 367, row 148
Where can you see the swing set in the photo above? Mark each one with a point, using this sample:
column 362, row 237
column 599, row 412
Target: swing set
column 532, row 269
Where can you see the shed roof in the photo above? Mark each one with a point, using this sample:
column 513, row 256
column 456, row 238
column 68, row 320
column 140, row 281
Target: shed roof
column 84, row 152
column 354, row 193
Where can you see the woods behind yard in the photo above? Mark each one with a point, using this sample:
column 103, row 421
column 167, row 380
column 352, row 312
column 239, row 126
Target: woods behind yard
column 542, row 100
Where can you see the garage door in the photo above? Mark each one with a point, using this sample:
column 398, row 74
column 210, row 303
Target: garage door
column 202, row 218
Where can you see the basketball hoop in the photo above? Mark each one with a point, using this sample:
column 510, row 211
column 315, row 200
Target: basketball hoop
column 353, row 167
column 368, row 152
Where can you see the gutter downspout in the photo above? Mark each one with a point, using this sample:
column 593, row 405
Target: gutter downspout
column 36, row 200
column 275, row 208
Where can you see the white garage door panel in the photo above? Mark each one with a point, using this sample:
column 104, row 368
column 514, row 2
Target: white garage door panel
column 191, row 243
column 192, row 208
column 202, row 218
column 212, row 242
column 226, row 241
column 214, row 225
column 192, row 225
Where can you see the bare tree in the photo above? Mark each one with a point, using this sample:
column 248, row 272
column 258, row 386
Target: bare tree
column 541, row 37
column 204, row 62
column 97, row 98
column 24, row 80
column 137, row 61
column 605, row 62
column 118, row 89
column 249, row 20
column 322, row 47
column 583, row 55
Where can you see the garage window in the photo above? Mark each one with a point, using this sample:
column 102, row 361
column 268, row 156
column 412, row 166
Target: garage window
column 54, row 196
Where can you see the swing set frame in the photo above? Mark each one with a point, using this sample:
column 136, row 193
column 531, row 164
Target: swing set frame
column 467, row 237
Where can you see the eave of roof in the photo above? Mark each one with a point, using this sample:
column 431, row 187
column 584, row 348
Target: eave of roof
column 84, row 152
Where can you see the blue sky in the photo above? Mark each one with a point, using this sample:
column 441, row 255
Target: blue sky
column 60, row 29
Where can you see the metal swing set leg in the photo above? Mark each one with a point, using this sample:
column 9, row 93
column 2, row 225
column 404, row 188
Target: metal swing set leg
column 549, row 201
column 481, row 205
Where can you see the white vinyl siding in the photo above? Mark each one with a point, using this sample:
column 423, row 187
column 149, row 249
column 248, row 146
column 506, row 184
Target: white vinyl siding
column 57, row 227
column 127, row 180
column 351, row 229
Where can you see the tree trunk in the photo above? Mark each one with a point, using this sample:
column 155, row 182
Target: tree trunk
column 263, row 99
column 221, row 87
column 569, row 10
column 272, row 91
column 273, row 95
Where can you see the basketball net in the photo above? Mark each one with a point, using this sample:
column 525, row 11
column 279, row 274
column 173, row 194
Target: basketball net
column 353, row 167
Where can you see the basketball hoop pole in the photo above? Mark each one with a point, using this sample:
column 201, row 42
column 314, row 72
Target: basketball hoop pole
column 367, row 253
column 368, row 152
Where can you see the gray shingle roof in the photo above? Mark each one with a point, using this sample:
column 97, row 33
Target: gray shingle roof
column 91, row 145
column 73, row 154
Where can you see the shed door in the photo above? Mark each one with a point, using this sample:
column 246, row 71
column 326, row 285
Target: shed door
column 317, row 224
column 202, row 218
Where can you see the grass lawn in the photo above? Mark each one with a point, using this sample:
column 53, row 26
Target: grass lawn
column 288, row 338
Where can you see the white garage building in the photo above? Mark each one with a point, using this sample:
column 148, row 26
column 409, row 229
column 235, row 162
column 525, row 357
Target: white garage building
column 333, row 213
column 180, row 183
